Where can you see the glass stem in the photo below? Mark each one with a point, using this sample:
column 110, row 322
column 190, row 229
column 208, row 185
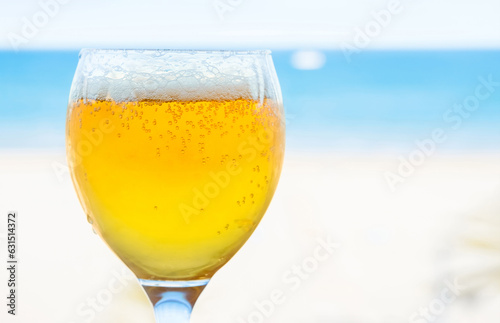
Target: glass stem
column 173, row 301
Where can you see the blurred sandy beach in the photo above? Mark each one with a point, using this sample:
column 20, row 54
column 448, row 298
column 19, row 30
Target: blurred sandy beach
column 396, row 250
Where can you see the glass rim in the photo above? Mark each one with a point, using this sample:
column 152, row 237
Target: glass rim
column 179, row 51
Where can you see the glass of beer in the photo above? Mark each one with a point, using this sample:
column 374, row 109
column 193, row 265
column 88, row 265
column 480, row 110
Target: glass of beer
column 175, row 156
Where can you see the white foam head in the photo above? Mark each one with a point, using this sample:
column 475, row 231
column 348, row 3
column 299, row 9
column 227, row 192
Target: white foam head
column 172, row 75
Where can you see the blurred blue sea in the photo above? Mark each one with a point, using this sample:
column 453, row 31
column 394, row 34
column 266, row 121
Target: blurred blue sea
column 380, row 100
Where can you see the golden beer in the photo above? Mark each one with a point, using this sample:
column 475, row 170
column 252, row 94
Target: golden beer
column 175, row 188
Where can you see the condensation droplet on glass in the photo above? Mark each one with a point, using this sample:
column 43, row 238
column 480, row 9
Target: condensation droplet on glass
column 244, row 224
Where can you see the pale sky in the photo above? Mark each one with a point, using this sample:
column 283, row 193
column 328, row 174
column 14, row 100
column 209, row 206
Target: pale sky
column 327, row 24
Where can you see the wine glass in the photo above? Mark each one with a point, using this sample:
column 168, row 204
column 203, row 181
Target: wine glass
column 175, row 156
